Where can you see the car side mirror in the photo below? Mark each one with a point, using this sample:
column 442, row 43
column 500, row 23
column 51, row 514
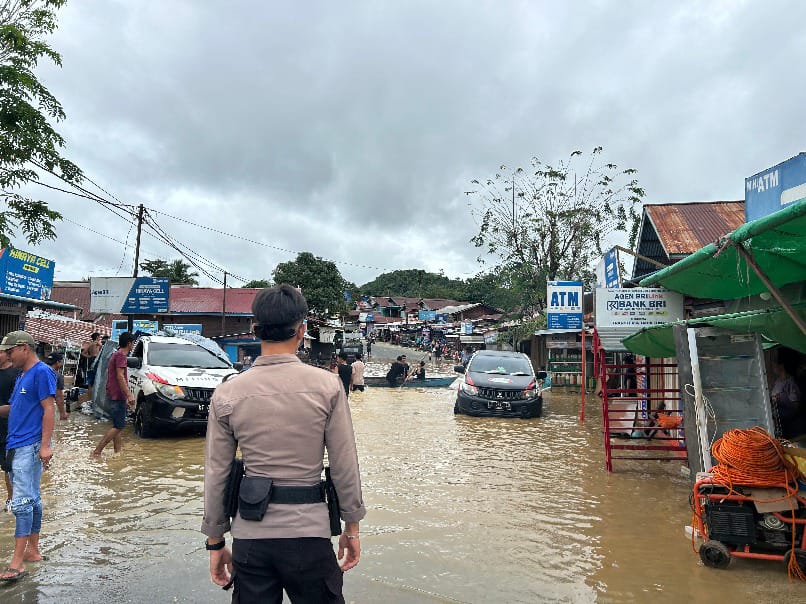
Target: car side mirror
column 459, row 368
column 134, row 362
column 237, row 366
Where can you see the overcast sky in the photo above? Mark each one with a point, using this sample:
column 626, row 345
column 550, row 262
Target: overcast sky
column 351, row 129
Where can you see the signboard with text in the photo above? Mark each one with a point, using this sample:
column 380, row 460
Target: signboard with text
column 564, row 304
column 427, row 315
column 129, row 295
column 183, row 328
column 775, row 188
column 637, row 307
column 25, row 274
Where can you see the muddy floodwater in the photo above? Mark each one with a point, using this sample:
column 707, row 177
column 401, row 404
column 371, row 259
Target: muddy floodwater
column 459, row 510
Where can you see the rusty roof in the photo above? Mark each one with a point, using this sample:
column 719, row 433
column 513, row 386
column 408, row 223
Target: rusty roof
column 57, row 330
column 683, row 228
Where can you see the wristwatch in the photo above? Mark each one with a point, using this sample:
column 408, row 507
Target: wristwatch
column 214, row 546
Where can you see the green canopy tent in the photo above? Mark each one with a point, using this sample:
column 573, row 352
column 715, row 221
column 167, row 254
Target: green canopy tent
column 777, row 243
column 759, row 256
column 774, row 325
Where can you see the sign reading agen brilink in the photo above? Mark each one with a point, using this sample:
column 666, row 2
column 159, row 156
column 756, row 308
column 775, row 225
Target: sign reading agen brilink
column 564, row 304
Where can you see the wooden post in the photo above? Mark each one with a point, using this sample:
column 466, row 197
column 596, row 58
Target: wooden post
column 582, row 408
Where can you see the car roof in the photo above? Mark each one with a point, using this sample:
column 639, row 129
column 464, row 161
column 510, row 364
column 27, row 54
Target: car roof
column 166, row 339
column 499, row 353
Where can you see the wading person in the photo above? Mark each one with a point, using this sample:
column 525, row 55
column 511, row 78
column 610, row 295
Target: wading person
column 397, row 372
column 357, row 379
column 344, row 371
column 89, row 351
column 8, row 376
column 30, row 427
column 54, row 360
column 281, row 414
column 118, row 393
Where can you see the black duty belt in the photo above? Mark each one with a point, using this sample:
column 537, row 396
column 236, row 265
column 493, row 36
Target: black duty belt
column 312, row 494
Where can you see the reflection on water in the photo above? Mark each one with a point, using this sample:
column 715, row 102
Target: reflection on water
column 460, row 510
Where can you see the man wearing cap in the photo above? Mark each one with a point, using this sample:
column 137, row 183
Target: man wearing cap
column 118, row 393
column 8, row 377
column 54, row 360
column 282, row 414
column 30, row 427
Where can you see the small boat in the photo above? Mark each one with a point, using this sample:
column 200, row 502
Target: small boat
column 429, row 382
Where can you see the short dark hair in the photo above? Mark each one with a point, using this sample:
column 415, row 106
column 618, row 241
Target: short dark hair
column 95, row 335
column 400, row 358
column 358, row 356
column 125, row 339
column 343, row 355
column 277, row 311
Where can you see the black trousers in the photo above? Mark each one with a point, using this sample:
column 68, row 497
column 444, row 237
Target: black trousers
column 305, row 567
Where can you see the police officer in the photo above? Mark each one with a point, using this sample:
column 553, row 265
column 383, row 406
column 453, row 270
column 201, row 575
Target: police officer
column 281, row 414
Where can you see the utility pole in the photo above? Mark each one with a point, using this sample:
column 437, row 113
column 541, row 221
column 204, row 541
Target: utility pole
column 140, row 211
column 224, row 305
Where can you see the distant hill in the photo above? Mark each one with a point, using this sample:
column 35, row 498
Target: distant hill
column 414, row 283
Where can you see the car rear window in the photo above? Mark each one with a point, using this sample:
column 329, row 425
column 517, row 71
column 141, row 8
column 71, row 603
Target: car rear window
column 502, row 365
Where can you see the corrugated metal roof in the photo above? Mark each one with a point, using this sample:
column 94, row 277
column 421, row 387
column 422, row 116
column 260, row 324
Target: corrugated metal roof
column 683, row 228
column 58, row 330
column 194, row 300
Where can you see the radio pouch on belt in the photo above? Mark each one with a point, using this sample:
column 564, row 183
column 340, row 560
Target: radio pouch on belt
column 332, row 504
column 236, row 470
column 253, row 497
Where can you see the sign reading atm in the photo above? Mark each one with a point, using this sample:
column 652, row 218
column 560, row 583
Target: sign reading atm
column 775, row 188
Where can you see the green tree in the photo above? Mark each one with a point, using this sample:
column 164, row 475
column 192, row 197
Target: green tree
column 178, row 271
column 320, row 281
column 550, row 222
column 257, row 284
column 27, row 139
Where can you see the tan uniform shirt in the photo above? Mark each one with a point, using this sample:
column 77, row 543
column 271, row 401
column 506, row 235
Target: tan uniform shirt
column 282, row 414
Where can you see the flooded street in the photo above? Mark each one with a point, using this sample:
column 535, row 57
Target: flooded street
column 460, row 509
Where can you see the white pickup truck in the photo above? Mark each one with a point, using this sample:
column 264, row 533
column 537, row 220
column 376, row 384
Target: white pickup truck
column 172, row 380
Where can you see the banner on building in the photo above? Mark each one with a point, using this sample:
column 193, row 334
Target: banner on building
column 129, row 295
column 637, row 307
column 775, row 188
column 564, row 304
column 427, row 315
column 183, row 328
column 25, row 274
column 467, row 327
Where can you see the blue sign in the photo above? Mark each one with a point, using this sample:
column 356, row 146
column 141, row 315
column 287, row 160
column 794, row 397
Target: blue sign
column 370, row 317
column 427, row 315
column 25, row 274
column 183, row 328
column 775, row 188
column 467, row 327
column 443, row 317
column 140, row 325
column 564, row 304
column 118, row 327
column 147, row 295
column 612, row 277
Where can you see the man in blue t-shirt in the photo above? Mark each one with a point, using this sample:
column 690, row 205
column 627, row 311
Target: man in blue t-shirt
column 30, row 427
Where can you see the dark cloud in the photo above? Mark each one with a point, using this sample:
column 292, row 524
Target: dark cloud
column 352, row 129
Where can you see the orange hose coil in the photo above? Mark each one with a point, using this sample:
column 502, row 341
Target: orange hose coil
column 755, row 458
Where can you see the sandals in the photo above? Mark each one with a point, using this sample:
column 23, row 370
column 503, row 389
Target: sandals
column 16, row 574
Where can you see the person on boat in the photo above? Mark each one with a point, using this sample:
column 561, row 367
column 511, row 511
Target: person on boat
column 397, row 372
column 419, row 373
column 357, row 382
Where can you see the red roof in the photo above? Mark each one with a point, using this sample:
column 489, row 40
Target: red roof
column 58, row 332
column 683, row 228
column 192, row 300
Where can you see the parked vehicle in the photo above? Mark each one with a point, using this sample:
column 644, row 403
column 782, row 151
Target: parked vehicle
column 499, row 383
column 172, row 380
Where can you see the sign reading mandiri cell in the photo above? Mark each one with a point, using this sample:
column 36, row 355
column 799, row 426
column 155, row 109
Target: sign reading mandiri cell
column 129, row 295
column 637, row 307
column 564, row 304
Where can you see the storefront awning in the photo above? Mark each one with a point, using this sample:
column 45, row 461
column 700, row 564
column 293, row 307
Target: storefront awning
column 39, row 303
column 774, row 325
column 721, row 271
